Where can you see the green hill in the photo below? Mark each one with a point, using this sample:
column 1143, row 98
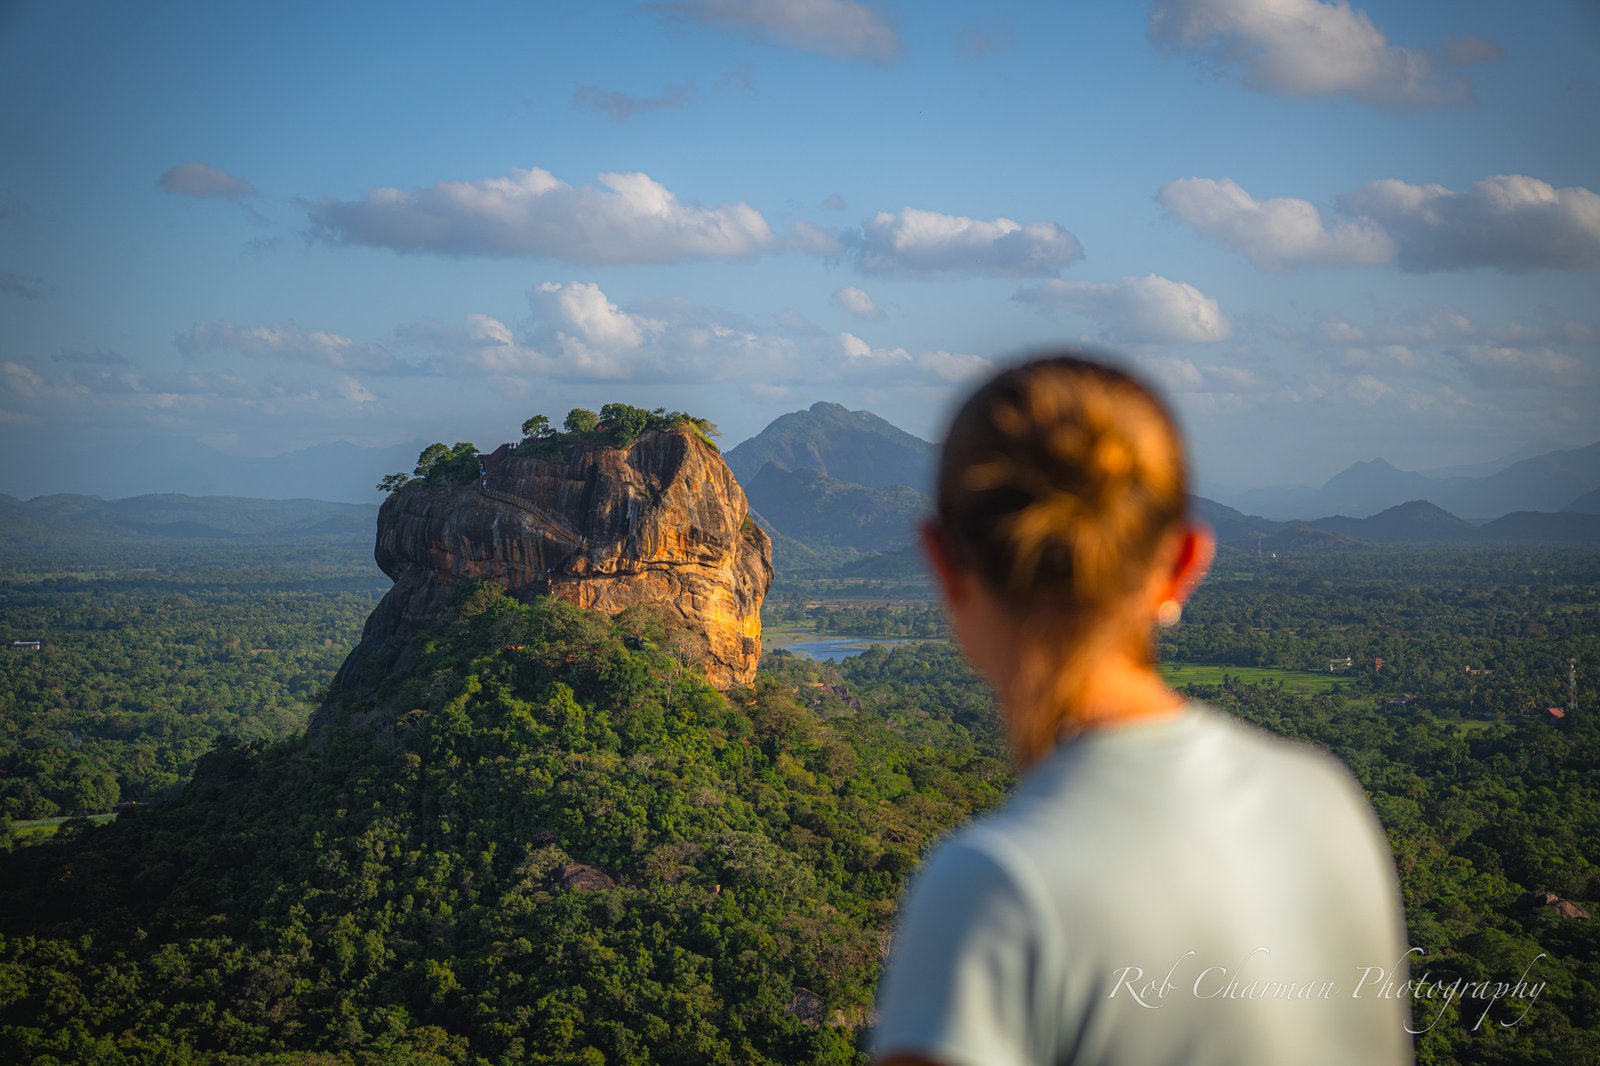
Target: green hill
column 543, row 840
column 855, row 446
column 827, row 512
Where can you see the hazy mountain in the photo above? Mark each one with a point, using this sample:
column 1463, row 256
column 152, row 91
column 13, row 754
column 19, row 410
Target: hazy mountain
column 1547, row 482
column 823, row 511
column 1494, row 466
column 1300, row 538
column 1229, row 525
column 169, row 515
column 1355, row 489
column 854, row 446
column 1535, row 527
column 114, row 469
column 1544, row 483
column 1588, row 503
column 1410, row 522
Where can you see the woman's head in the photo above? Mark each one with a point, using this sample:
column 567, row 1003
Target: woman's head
column 1062, row 492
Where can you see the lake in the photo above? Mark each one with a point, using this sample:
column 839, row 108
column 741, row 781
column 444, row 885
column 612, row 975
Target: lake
column 832, row 649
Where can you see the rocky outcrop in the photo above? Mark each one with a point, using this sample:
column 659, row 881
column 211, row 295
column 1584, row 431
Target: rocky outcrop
column 660, row 523
column 1563, row 908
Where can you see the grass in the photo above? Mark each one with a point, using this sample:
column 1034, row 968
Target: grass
column 37, row 829
column 1177, row 674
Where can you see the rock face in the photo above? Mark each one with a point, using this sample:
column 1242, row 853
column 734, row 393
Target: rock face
column 661, row 522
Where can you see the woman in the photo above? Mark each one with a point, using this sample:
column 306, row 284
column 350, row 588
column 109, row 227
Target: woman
column 1167, row 884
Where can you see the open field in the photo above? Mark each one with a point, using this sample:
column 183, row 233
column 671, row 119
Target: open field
column 35, row 829
column 1212, row 674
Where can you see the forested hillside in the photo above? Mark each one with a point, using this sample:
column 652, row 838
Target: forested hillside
column 568, row 848
column 151, row 647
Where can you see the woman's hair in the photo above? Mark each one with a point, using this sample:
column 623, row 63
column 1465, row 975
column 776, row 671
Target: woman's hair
column 1060, row 480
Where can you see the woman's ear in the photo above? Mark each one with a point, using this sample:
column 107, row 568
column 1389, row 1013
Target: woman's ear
column 1197, row 546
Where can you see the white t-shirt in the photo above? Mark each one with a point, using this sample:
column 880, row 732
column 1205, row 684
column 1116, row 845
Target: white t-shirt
column 1189, row 889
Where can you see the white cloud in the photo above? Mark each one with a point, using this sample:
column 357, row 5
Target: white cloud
column 1151, row 309
column 353, row 392
column 841, row 28
column 953, row 366
column 1274, row 234
column 913, row 241
column 1309, row 48
column 627, row 218
column 621, row 107
column 858, row 303
column 291, row 342
column 860, row 359
column 1495, row 366
column 1507, row 221
column 578, row 333
column 1383, row 356
column 206, row 182
column 1369, row 389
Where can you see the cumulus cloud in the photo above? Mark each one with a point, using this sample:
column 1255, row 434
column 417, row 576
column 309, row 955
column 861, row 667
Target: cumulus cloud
column 621, row 107
column 353, row 392
column 860, row 359
column 578, row 333
column 844, row 29
column 1146, row 310
column 1310, row 48
column 1507, row 221
column 1497, row 366
column 858, row 303
column 627, row 218
column 913, row 241
column 206, row 182
column 835, row 202
column 1427, row 357
column 293, row 343
column 1274, row 234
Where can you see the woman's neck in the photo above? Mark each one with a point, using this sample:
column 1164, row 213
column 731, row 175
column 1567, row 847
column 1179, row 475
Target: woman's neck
column 1117, row 690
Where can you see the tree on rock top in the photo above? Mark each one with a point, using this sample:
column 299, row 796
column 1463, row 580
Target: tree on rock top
column 623, row 421
column 580, row 420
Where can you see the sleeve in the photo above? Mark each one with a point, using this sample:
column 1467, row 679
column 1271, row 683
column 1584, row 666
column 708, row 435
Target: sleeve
column 964, row 980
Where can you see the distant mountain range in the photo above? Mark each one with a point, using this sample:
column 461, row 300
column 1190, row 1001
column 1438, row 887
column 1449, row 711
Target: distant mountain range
column 340, row 471
column 835, row 488
column 829, row 484
column 1552, row 481
column 169, row 516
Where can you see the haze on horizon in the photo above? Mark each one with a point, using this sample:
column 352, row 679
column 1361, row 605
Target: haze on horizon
column 1330, row 232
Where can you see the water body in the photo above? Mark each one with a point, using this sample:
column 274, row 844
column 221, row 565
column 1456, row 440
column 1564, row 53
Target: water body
column 846, row 646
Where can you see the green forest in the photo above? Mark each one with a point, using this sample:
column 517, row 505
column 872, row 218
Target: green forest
column 549, row 840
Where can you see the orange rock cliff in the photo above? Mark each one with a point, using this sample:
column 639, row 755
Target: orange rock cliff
column 660, row 522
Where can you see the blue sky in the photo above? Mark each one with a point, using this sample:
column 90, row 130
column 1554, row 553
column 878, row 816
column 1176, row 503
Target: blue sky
column 1330, row 232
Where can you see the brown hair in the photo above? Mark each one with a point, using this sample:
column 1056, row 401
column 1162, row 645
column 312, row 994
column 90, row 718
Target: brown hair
column 1059, row 481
